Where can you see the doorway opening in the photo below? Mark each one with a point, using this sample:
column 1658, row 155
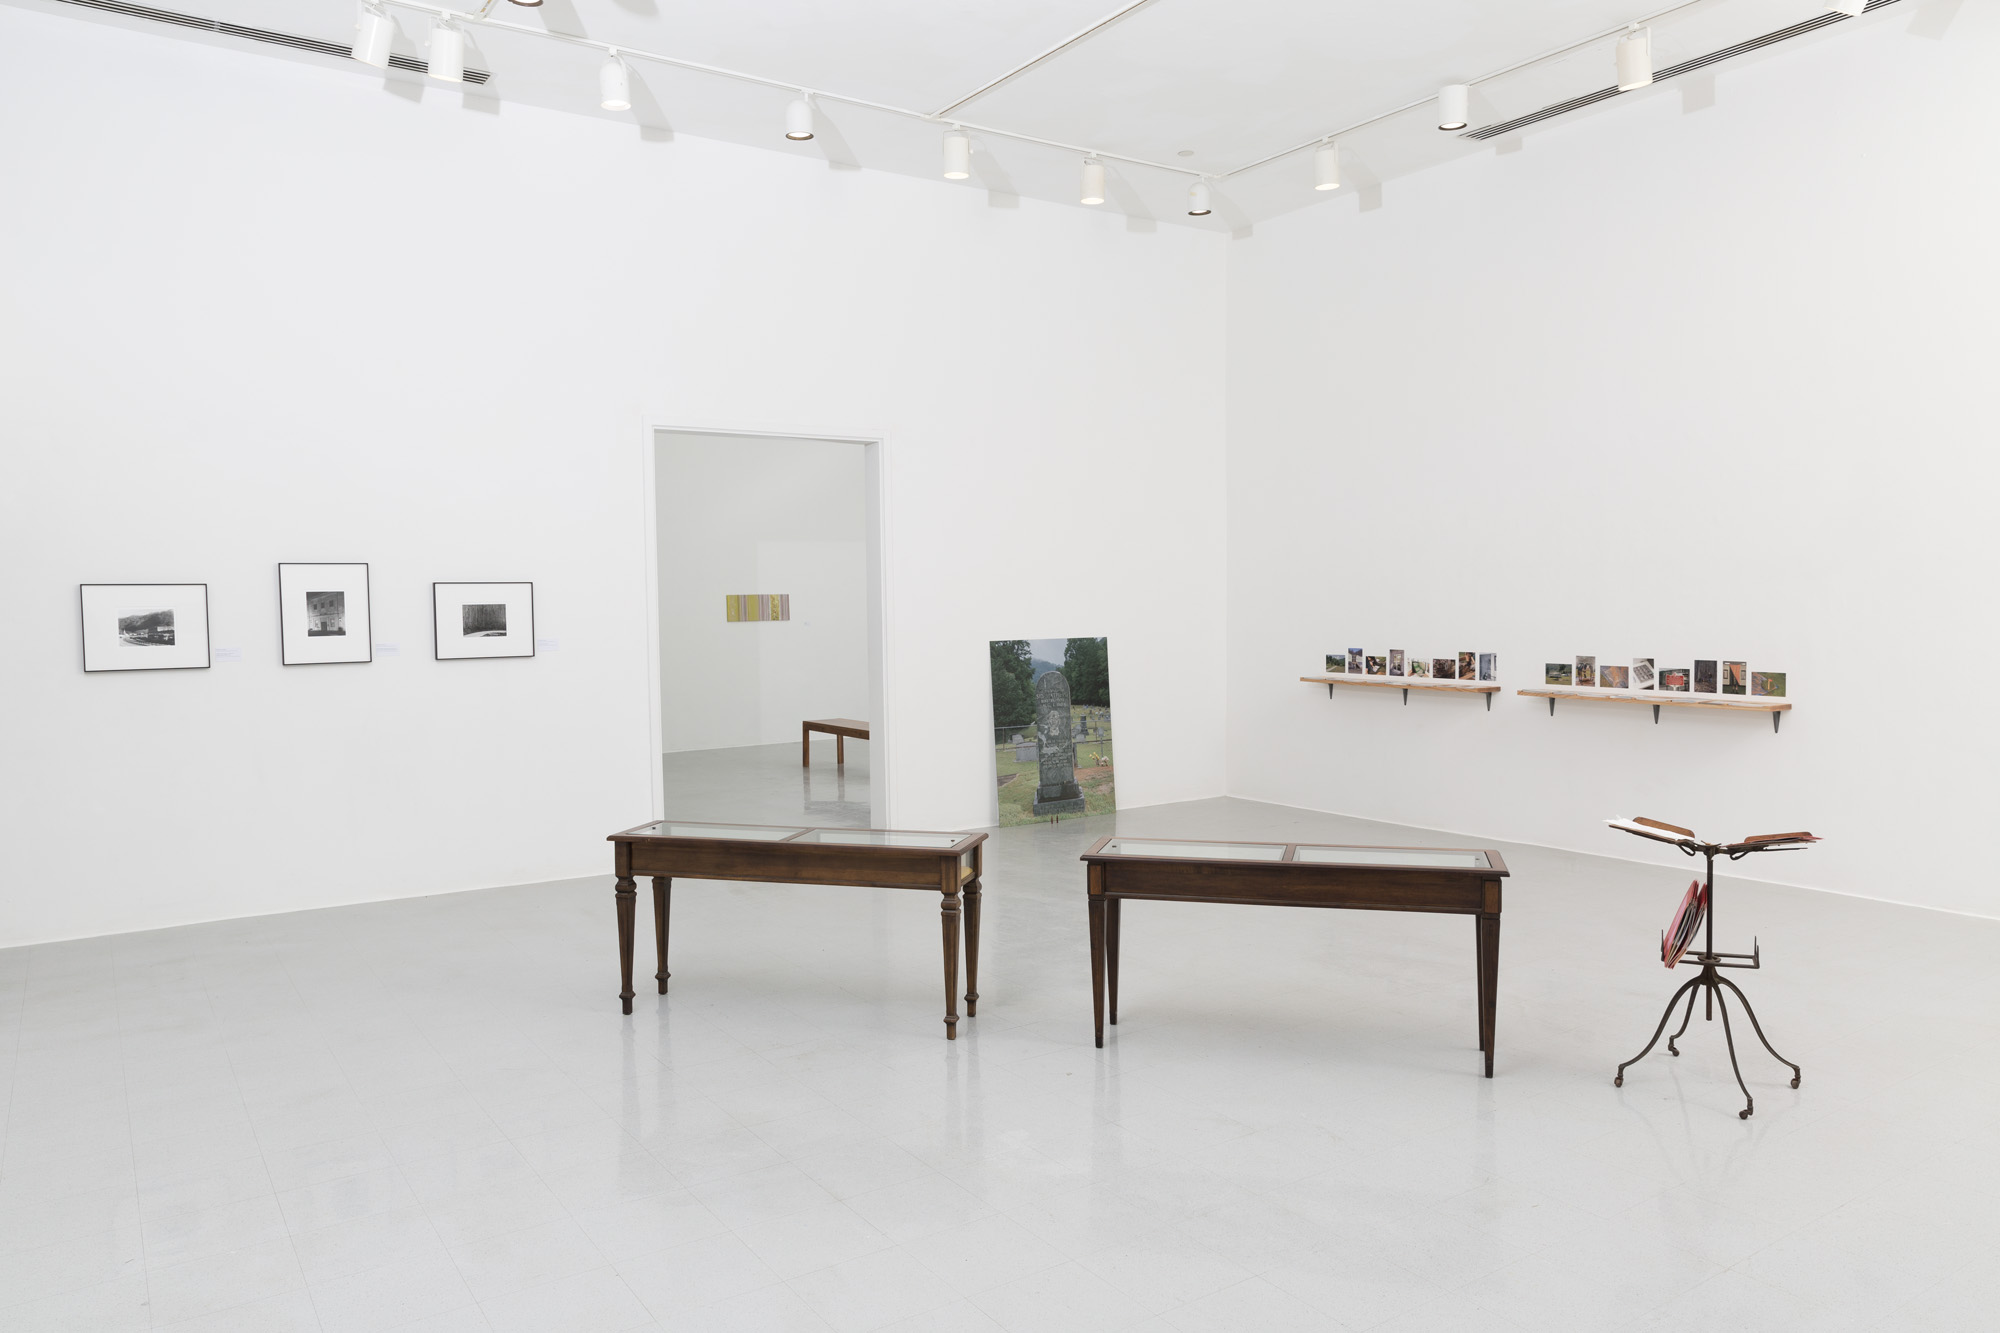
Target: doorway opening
column 767, row 571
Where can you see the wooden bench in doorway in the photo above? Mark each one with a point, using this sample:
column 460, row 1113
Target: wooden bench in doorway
column 840, row 728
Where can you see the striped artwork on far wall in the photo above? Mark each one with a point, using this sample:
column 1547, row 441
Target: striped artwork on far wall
column 759, row 606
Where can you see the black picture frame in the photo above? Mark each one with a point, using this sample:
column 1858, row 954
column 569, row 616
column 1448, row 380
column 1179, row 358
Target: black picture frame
column 367, row 583
column 83, row 630
column 437, row 646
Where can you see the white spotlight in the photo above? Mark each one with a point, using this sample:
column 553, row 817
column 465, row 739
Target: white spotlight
column 1198, row 200
column 1454, row 106
column 372, row 31
column 447, row 60
column 614, row 85
column 1326, row 168
column 799, row 120
column 1093, row 181
column 1851, row 8
column 957, row 155
column 1635, row 59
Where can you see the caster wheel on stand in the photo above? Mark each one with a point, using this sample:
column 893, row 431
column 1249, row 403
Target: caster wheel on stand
column 1618, row 1082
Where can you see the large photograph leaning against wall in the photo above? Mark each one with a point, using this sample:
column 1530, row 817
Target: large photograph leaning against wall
column 1052, row 729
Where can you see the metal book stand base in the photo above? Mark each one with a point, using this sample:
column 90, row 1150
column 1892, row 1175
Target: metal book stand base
column 1710, row 983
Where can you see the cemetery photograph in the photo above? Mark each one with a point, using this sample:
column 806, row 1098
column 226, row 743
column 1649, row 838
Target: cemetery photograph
column 1052, row 747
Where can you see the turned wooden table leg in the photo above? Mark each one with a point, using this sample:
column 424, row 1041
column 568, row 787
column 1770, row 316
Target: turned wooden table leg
column 1113, row 911
column 627, row 894
column 663, row 901
column 972, row 897
column 948, row 910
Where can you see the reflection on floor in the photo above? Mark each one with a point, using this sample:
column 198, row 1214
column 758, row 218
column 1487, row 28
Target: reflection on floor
column 430, row 1114
column 766, row 784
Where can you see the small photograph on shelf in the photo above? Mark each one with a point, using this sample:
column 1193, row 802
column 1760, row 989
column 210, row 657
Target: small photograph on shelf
column 1353, row 661
column 1419, row 667
column 483, row 620
column 1642, row 673
column 1395, row 661
column 1735, row 678
column 1467, row 667
column 1555, row 673
column 1614, row 677
column 1377, row 666
column 1704, row 677
column 1489, row 666
column 1336, row 664
column 1586, row 671
column 144, row 626
column 1445, row 668
column 323, row 614
column 1675, row 679
column 1768, row 684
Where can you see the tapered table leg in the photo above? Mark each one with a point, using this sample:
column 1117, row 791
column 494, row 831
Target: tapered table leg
column 1113, row 911
column 805, row 745
column 1097, row 962
column 839, row 749
column 627, row 894
column 949, row 910
column 1489, row 955
column 972, row 896
column 663, row 890
column 1479, row 957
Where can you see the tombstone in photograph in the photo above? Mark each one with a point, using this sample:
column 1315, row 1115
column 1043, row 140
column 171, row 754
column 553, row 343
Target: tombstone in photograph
column 1024, row 752
column 1058, row 794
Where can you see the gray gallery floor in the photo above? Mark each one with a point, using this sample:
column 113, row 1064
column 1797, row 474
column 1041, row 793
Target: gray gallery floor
column 429, row 1114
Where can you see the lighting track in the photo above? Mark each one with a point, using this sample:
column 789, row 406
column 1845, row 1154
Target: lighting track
column 292, row 40
column 480, row 18
column 1672, row 71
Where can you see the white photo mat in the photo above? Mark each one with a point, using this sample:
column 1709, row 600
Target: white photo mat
column 144, row 626
column 483, row 620
column 324, row 614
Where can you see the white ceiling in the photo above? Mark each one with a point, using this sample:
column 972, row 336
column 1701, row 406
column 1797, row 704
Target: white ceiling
column 1228, row 82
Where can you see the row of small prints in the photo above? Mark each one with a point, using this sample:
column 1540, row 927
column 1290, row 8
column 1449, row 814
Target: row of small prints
column 1396, row 662
column 1703, row 678
column 324, row 617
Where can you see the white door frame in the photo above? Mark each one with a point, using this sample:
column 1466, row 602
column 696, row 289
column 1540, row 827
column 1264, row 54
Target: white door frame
column 881, row 722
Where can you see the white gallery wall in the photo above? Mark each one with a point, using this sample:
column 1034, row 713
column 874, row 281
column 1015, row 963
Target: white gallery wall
column 258, row 311
column 1707, row 374
column 751, row 514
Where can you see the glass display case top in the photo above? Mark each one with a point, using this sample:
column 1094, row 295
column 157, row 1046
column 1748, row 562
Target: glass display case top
column 676, row 829
column 1199, row 851
column 860, row 837
column 1393, row 856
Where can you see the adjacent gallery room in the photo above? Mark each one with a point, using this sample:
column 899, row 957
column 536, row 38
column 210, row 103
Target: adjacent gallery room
column 610, row 601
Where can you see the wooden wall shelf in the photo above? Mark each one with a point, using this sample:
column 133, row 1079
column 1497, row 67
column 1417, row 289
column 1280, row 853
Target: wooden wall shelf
column 1406, row 684
column 1775, row 707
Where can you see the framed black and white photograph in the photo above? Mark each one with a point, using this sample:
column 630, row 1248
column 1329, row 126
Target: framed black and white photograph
column 323, row 614
column 484, row 619
column 144, row 626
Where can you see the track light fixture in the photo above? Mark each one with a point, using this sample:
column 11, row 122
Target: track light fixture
column 529, row 4
column 957, row 155
column 799, row 119
column 1093, row 181
column 614, row 85
column 1454, row 106
column 447, row 56
column 372, row 31
column 1852, row 8
column 1198, row 200
column 1326, row 168
column 1635, row 58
